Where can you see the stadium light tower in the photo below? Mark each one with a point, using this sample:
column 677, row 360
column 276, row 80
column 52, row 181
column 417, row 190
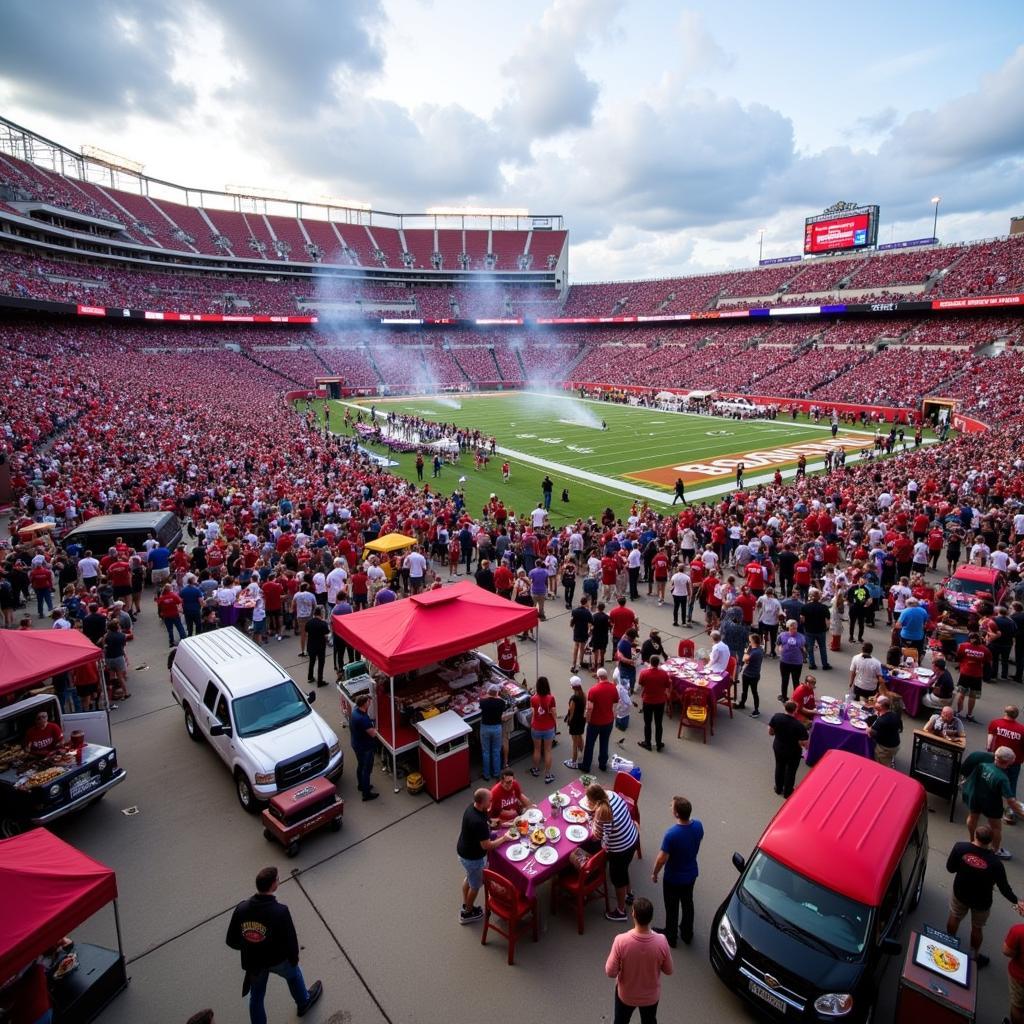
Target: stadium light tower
column 935, row 220
column 760, row 245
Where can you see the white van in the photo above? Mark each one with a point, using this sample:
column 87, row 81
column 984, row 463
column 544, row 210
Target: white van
column 234, row 694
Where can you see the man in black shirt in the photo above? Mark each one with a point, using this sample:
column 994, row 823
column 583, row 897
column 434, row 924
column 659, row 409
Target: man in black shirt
column 941, row 693
column 858, row 603
column 317, row 632
column 262, row 929
column 599, row 633
column 94, row 625
column 791, row 738
column 977, row 871
column 815, row 618
column 885, row 728
column 474, row 842
column 579, row 621
column 787, row 560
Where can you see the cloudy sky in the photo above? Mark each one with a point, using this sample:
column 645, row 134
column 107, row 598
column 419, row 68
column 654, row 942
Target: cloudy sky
column 668, row 134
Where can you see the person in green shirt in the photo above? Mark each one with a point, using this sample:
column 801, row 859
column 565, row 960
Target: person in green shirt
column 986, row 789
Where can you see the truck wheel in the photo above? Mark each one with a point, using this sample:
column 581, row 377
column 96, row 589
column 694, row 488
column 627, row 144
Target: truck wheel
column 336, row 825
column 268, row 835
column 11, row 827
column 246, row 797
column 292, row 849
column 190, row 725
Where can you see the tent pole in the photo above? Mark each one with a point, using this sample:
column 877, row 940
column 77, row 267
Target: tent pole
column 394, row 737
column 536, row 655
column 117, row 925
column 103, row 690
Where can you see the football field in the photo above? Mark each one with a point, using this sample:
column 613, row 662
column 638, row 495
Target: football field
column 637, row 454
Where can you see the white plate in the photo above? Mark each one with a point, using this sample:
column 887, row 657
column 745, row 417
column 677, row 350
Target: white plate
column 559, row 800
column 517, row 852
column 570, row 815
column 858, row 724
column 546, row 855
column 553, row 833
column 832, row 719
column 576, row 833
column 534, row 816
column 585, row 804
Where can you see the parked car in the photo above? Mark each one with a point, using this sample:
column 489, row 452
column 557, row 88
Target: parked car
column 971, row 583
column 234, row 695
column 810, row 927
column 100, row 533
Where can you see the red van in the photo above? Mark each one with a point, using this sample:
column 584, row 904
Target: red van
column 808, row 930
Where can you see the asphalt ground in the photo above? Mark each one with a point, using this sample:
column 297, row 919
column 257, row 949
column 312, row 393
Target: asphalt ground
column 376, row 905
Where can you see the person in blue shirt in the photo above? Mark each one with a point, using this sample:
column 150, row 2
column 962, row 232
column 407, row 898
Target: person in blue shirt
column 912, row 622
column 678, row 857
column 159, row 563
column 192, row 605
column 364, row 745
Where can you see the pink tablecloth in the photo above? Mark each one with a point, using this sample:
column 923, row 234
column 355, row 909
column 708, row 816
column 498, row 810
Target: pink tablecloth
column 528, row 874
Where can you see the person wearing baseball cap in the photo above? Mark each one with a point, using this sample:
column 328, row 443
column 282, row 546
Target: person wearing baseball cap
column 575, row 720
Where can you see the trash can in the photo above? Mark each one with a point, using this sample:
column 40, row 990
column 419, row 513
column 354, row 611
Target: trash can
column 444, row 753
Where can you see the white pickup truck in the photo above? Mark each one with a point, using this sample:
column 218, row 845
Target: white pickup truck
column 39, row 789
column 237, row 697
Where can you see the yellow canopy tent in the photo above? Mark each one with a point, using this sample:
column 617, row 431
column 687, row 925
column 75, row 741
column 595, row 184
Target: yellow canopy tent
column 386, row 545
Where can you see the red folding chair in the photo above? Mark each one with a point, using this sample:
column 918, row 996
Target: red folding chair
column 629, row 789
column 687, row 649
column 696, row 711
column 730, row 691
column 582, row 886
column 502, row 900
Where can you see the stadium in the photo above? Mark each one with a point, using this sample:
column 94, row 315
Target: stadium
column 244, row 360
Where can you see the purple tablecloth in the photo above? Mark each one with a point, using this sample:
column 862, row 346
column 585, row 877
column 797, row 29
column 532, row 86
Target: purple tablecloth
column 911, row 688
column 528, row 874
column 697, row 679
column 826, row 736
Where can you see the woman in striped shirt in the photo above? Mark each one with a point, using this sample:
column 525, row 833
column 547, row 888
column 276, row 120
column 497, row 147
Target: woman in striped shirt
column 614, row 828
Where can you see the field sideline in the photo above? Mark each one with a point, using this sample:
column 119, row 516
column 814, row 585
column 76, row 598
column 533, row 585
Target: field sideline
column 638, row 456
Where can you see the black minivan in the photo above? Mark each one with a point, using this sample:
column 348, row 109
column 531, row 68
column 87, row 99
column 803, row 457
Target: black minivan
column 808, row 929
column 99, row 534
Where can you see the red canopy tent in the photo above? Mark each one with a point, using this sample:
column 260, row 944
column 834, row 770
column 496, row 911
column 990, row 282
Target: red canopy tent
column 29, row 656
column 49, row 888
column 409, row 634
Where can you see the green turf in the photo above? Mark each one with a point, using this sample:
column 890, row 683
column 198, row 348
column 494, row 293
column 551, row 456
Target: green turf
column 636, row 439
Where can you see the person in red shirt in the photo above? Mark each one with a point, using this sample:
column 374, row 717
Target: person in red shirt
column 273, row 598
column 975, row 660
column 903, row 552
column 42, row 735
column 622, row 619
column 600, row 716
column 542, row 728
column 609, row 571
column 746, row 602
column 507, row 799
column 503, row 581
column 712, row 602
column 119, row 573
column 920, row 526
column 168, row 606
column 360, row 589
column 1008, row 732
column 1013, row 947
column 803, row 697
column 802, row 576
column 659, row 569
column 935, row 539
column 41, row 578
column 508, row 656
column 654, row 683
column 755, row 577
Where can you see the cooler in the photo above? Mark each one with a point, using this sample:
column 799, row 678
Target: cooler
column 444, row 753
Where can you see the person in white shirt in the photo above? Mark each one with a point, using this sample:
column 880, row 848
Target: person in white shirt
column 710, row 559
column 416, row 565
column 865, row 673
column 718, row 661
column 1000, row 559
column 899, row 592
column 767, row 612
column 336, row 579
column 634, row 562
column 537, row 516
column 88, row 569
column 680, row 585
column 59, row 622
column 979, row 553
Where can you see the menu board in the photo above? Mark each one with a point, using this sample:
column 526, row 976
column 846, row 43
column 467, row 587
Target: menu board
column 936, row 956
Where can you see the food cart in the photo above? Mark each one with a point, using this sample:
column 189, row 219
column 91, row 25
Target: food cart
column 49, row 890
column 422, row 660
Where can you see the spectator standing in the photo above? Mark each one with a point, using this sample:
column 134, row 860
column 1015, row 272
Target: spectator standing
column 987, row 792
column 885, row 727
column 542, row 728
column 792, row 650
column 168, row 606
column 262, row 930
column 680, row 588
column 364, row 745
column 1013, row 947
column 317, row 632
column 977, row 871
column 475, row 840
column 614, row 828
column 492, row 707
column 975, row 661
column 1008, row 732
column 790, row 739
column 580, row 621
column 575, row 719
column 767, row 612
column 815, row 616
column 655, row 684
column 750, row 674
column 600, row 716
column 637, row 960
column 678, row 857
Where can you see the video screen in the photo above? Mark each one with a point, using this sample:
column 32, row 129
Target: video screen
column 840, row 233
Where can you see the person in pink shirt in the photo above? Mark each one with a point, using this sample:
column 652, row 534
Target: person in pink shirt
column 637, row 960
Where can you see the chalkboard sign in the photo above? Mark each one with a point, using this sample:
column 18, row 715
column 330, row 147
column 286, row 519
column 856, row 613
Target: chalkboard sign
column 936, row 765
